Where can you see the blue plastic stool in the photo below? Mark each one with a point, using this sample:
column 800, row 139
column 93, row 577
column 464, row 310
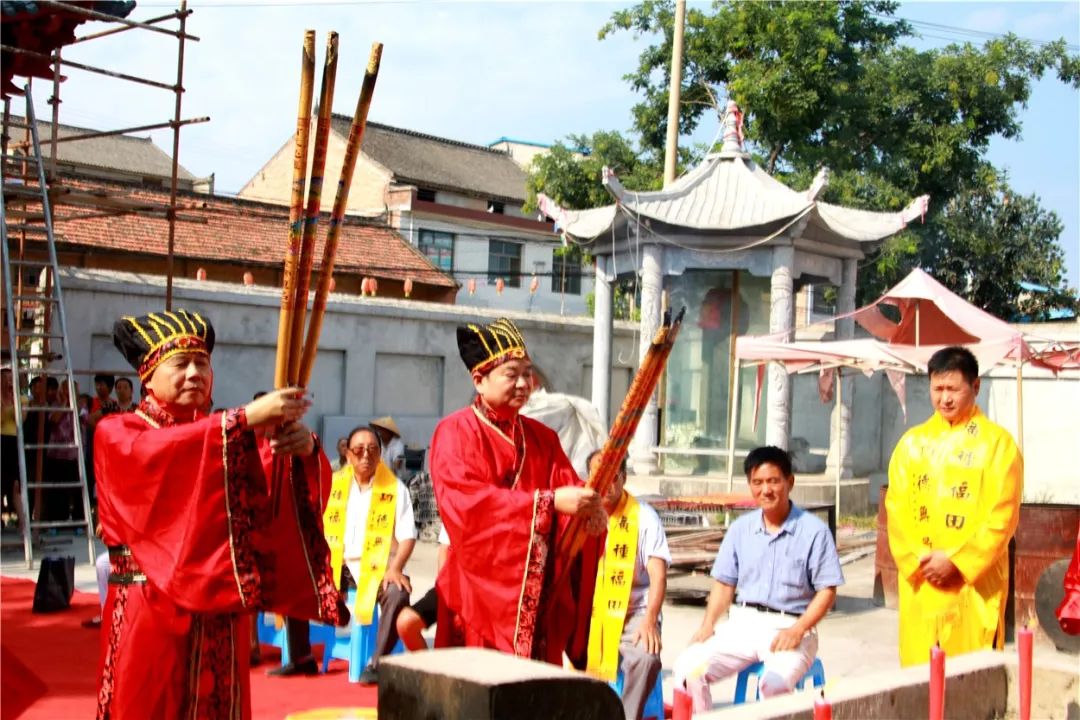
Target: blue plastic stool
column 355, row 643
column 654, row 704
column 815, row 673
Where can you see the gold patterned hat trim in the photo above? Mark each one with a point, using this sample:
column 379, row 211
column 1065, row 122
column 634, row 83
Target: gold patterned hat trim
column 485, row 347
column 149, row 340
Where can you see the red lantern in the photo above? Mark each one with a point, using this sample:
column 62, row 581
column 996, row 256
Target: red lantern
column 534, row 285
column 333, row 284
column 373, row 286
column 472, row 286
column 249, row 279
column 408, row 287
column 200, row 274
column 499, row 285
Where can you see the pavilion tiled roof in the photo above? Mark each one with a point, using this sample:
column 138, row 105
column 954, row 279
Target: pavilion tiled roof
column 730, row 193
column 224, row 229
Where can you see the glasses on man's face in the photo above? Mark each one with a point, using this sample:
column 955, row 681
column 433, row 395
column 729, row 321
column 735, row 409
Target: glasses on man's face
column 362, row 450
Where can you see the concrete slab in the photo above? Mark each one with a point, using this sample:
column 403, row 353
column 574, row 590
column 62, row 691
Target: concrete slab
column 475, row 684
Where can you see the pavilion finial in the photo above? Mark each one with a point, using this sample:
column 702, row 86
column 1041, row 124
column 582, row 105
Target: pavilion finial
column 733, row 134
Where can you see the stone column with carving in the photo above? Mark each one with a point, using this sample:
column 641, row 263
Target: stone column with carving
column 840, row 444
column 642, row 458
column 781, row 320
column 601, row 349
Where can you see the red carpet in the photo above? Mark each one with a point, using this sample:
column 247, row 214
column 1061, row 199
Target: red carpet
column 49, row 666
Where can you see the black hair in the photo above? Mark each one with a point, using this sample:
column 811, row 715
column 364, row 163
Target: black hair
column 36, row 379
column 258, row 395
column 768, row 455
column 109, row 380
column 956, row 358
column 125, row 380
column 594, row 453
column 363, row 428
column 52, row 383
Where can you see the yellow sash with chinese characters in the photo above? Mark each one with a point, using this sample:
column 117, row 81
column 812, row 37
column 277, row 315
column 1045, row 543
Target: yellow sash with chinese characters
column 378, row 534
column 611, row 599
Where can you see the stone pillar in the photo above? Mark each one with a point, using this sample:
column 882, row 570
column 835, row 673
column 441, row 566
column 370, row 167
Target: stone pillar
column 840, row 444
column 601, row 347
column 652, row 286
column 781, row 320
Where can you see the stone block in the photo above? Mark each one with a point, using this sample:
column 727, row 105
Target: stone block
column 476, row 684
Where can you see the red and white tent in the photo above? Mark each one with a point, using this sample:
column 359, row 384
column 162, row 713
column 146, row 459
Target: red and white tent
column 909, row 323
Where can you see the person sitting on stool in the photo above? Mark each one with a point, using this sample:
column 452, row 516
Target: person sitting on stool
column 776, row 576
column 624, row 634
column 370, row 530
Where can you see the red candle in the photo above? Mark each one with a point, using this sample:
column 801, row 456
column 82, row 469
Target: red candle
column 937, row 683
column 1024, row 639
column 822, row 708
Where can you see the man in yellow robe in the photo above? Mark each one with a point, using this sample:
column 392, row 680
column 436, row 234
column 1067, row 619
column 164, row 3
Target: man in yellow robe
column 955, row 484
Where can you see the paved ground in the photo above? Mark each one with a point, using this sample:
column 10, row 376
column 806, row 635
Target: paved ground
column 856, row 638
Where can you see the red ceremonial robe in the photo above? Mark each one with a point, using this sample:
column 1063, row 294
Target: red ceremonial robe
column 495, row 487
column 1068, row 612
column 196, row 549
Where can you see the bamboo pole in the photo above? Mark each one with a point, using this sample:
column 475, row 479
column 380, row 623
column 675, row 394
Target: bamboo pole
column 314, row 201
column 296, row 209
column 174, row 176
column 337, row 215
column 839, row 439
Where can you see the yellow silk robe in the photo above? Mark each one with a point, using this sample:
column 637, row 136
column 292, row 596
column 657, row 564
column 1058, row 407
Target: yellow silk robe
column 954, row 488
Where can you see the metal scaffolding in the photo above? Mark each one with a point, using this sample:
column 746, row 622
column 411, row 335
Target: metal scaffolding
column 78, row 201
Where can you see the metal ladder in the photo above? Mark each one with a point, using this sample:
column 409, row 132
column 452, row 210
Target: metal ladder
column 32, row 350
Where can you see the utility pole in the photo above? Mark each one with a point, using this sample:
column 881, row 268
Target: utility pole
column 671, row 151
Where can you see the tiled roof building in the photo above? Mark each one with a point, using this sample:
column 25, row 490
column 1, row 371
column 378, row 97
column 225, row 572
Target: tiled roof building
column 228, row 237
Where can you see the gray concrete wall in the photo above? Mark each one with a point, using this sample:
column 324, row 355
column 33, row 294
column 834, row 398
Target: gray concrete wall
column 376, row 356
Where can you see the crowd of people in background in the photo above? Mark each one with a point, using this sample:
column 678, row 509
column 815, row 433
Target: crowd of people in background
column 45, row 422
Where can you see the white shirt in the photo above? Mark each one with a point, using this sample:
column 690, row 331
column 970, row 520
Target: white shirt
column 356, row 513
column 652, row 542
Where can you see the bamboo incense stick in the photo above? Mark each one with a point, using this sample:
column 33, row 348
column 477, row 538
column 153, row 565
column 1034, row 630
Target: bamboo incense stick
column 314, row 201
column 337, row 215
column 296, row 209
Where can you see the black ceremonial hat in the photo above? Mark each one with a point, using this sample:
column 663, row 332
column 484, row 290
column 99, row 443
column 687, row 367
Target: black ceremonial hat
column 485, row 347
column 148, row 340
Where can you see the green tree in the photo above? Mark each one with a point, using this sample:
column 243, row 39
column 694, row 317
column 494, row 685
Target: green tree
column 829, row 84
column 987, row 240
column 571, row 173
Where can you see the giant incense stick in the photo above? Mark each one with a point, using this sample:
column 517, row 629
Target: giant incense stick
column 337, row 215
column 311, row 216
column 296, row 211
column 614, row 450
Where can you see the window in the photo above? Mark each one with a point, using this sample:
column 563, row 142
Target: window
column 439, row 248
column 494, row 206
column 504, row 261
column 571, row 282
column 425, row 194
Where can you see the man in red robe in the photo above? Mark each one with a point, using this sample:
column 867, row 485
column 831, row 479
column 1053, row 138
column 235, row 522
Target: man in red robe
column 506, row 491
column 195, row 543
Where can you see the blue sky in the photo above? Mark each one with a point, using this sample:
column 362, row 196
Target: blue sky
column 476, row 71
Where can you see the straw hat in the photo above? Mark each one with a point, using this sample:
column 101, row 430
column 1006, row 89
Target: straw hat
column 386, row 423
